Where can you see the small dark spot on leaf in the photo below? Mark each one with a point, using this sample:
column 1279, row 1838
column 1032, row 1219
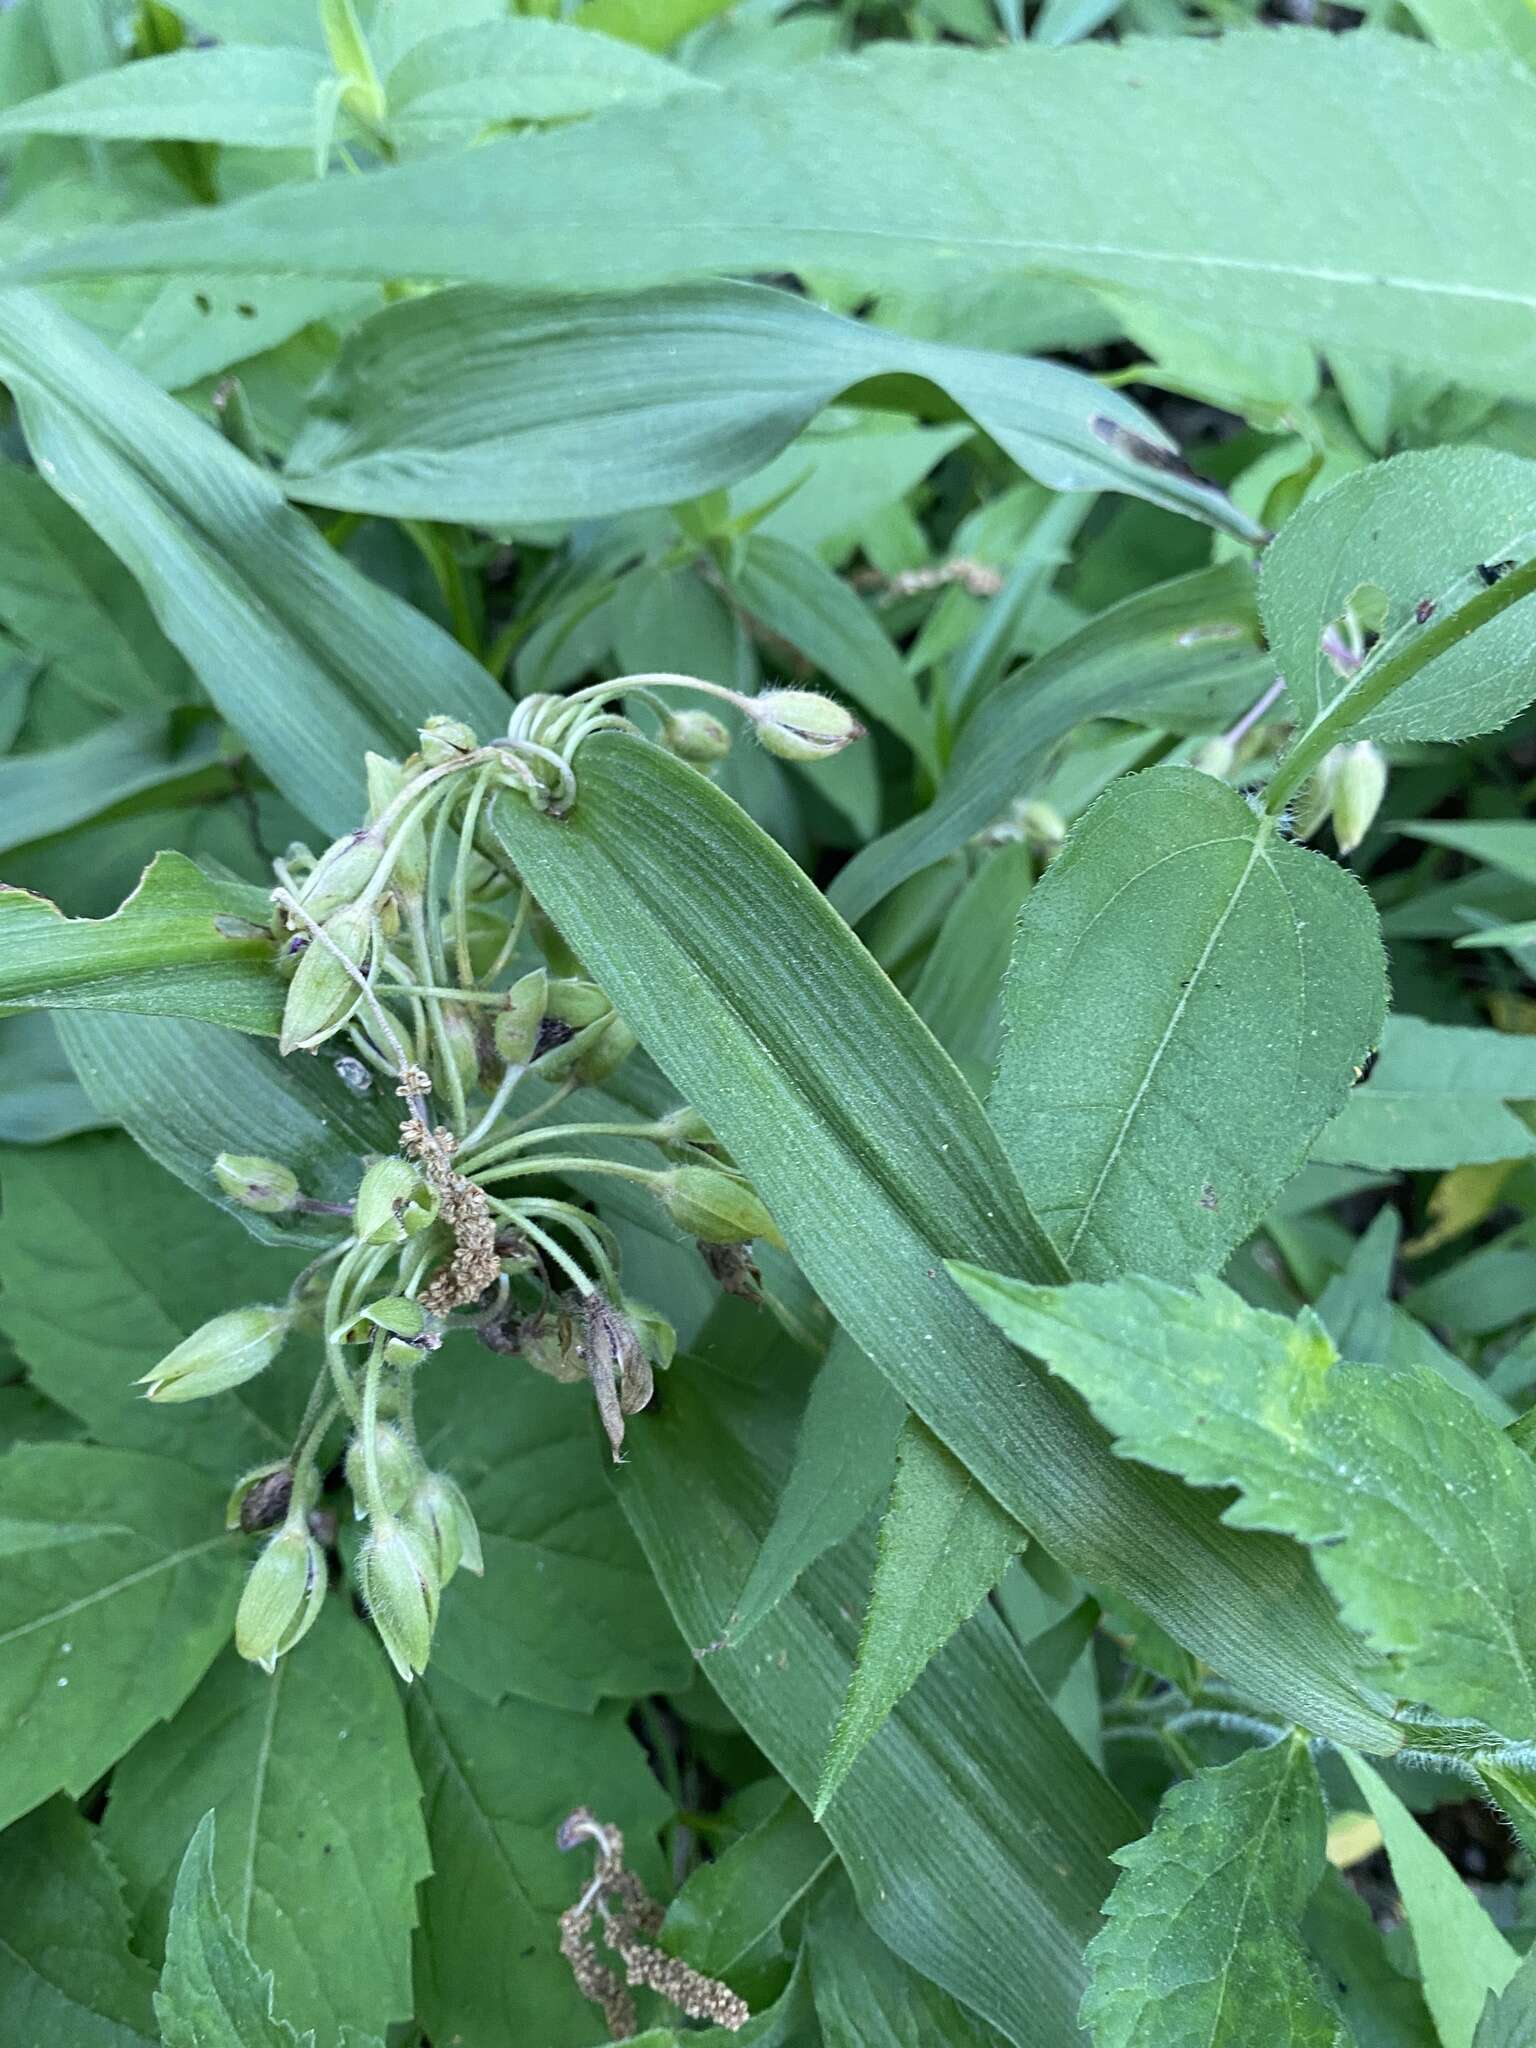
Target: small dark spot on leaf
column 1208, row 1196
column 246, row 310
column 202, row 302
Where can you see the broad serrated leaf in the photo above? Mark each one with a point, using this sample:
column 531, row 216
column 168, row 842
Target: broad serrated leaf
column 1462, row 1955
column 320, row 1843
column 186, row 1091
column 767, row 1015
column 213, row 1993
column 1438, row 1096
column 106, row 1266
column 1202, row 1947
column 1419, row 268
column 730, row 1905
column 67, row 1973
column 1415, row 528
column 844, row 1458
column 982, row 1863
column 313, row 664
column 1187, row 1003
column 1193, row 638
column 497, row 1782
column 566, row 1613
column 944, row 1544
column 1419, row 1508
column 478, row 405
column 161, row 954
column 258, row 99
column 119, row 1587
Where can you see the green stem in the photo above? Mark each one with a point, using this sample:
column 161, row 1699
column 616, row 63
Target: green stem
column 569, row 1163
column 641, row 1133
column 1381, row 679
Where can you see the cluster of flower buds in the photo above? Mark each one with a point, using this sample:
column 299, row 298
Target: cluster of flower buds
column 405, row 944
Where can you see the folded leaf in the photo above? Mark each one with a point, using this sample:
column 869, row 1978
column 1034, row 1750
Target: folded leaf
column 258, row 99
column 320, row 1843
column 1415, row 528
column 1202, row 1943
column 55, row 787
column 310, row 661
column 1420, row 268
column 1438, row 1096
column 520, row 70
column 1508, row 845
column 1187, row 1004
column 119, row 1587
column 767, row 1015
column 1463, row 1958
column 1418, row 1506
column 67, row 1972
column 1196, row 636
column 162, row 954
column 728, row 1906
column 944, row 1544
column 497, row 409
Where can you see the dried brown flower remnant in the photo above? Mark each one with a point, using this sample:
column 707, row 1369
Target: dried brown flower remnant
column 628, row 1912
column 465, row 1209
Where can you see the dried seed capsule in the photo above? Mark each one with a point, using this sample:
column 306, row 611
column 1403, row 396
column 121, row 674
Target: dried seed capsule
column 256, row 1183
column 224, row 1353
column 260, row 1498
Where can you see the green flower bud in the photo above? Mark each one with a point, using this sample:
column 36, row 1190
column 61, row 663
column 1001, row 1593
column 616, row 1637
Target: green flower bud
column 393, row 1203
column 323, row 995
column 696, row 736
column 399, row 1585
column 462, row 1041
column 577, row 1003
column 1041, row 826
column 256, row 1183
column 398, row 1467
column 396, row 1313
column 1359, row 786
column 1217, row 757
column 341, row 874
column 260, row 1498
column 445, row 739
column 441, row 1516
column 658, row 1339
column 801, row 725
column 282, row 1596
column 683, row 1127
column 386, row 779
column 712, row 1206
column 606, row 1052
column 1316, row 800
column 225, row 1353
column 516, row 1028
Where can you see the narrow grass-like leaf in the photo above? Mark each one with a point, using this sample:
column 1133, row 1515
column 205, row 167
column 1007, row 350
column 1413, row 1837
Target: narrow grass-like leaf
column 1418, row 1506
column 944, row 1544
column 731, row 1904
column 67, row 1973
column 764, row 1011
column 1202, row 1946
column 1196, row 636
column 1187, row 1005
column 1463, row 1958
column 40, row 1099
column 478, row 405
column 56, row 787
column 161, row 954
column 865, row 1998
column 259, row 99
column 981, row 1863
column 1439, row 1096
column 311, row 662
column 320, row 1843
column 1508, row 845
column 1420, row 267
column 119, row 1586
column 844, row 1458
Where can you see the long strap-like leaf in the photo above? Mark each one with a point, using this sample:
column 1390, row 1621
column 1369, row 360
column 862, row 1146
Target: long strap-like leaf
column 878, row 1162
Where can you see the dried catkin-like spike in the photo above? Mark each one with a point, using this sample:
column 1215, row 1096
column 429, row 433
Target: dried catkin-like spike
column 594, row 1980
column 700, row 1997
